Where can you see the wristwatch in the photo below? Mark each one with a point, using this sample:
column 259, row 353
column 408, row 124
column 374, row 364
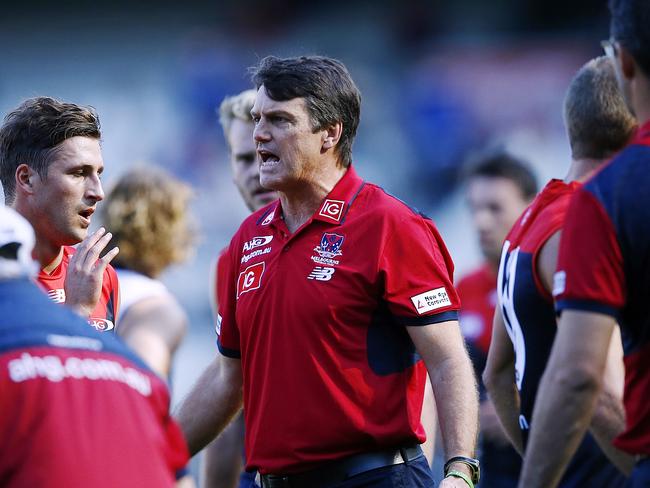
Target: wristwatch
column 473, row 465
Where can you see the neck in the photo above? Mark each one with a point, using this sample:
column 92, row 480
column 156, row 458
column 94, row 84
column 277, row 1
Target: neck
column 48, row 256
column 300, row 203
column 640, row 98
column 582, row 168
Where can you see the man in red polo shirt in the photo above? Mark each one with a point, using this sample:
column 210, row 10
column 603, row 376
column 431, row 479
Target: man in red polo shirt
column 336, row 301
column 50, row 167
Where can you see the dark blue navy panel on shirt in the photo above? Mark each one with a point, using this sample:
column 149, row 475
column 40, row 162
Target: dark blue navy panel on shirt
column 622, row 188
column 28, row 317
column 390, row 348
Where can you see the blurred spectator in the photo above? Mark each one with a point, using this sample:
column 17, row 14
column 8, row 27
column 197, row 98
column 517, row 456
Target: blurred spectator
column 147, row 212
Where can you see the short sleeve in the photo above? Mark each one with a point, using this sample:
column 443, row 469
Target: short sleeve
column 590, row 274
column 226, row 293
column 418, row 274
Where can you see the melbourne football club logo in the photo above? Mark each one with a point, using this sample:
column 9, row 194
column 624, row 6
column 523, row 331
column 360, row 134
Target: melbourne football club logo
column 328, row 249
column 330, row 245
column 332, row 209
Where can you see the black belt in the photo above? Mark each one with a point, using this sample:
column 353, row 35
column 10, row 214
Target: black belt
column 342, row 469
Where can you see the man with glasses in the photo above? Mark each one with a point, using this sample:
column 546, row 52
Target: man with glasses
column 603, row 278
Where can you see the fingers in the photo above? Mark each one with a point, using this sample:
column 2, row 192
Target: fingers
column 90, row 248
column 106, row 259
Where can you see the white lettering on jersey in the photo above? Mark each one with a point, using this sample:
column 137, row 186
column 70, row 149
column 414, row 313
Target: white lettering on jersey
column 506, row 289
column 559, row 283
column 57, row 295
column 431, row 300
column 321, row 274
column 257, row 242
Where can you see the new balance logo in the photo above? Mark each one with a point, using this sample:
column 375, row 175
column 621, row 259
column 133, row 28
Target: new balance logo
column 321, row 274
column 57, row 295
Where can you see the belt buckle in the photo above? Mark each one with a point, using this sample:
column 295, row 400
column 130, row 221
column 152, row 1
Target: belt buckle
column 275, row 481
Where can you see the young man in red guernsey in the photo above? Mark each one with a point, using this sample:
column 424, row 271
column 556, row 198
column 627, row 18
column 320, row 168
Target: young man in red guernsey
column 327, row 334
column 598, row 124
column 499, row 188
column 50, row 168
column 602, row 280
column 77, row 408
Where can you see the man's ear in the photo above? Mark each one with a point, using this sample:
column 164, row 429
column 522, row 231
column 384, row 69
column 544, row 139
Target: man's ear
column 25, row 178
column 628, row 65
column 332, row 136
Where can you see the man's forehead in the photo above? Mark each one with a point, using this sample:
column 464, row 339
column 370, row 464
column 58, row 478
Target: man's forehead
column 79, row 150
column 264, row 103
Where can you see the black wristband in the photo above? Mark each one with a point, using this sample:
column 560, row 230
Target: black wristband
column 473, row 465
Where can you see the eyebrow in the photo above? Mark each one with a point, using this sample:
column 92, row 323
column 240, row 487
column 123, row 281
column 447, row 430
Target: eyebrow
column 276, row 112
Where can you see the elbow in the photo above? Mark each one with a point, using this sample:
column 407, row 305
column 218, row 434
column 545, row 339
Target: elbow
column 494, row 377
column 576, row 381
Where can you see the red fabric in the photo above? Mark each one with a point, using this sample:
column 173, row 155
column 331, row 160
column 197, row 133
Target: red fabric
column 303, row 311
column 105, row 313
column 590, row 255
column 61, row 442
column 477, row 293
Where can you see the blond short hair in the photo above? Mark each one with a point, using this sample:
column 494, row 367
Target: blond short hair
column 597, row 119
column 147, row 212
column 236, row 107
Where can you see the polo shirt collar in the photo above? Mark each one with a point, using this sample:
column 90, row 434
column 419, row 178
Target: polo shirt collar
column 337, row 203
column 333, row 208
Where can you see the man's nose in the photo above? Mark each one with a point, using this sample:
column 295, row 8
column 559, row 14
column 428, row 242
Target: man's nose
column 94, row 190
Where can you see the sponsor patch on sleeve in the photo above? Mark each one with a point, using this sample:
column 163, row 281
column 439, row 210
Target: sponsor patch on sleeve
column 559, row 283
column 431, row 300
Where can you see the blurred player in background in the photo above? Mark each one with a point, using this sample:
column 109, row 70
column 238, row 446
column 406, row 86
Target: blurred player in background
column 77, row 408
column 50, row 168
column 499, row 188
column 598, row 125
column 222, row 462
column 147, row 213
column 603, row 278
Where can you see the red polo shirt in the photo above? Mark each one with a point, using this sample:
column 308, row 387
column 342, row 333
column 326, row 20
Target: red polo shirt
column 104, row 316
column 318, row 319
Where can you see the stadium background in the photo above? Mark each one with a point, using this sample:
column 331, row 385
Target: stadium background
column 441, row 82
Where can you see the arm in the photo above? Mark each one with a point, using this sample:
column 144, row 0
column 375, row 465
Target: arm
column 214, row 399
column 154, row 328
column 499, row 380
column 570, row 385
column 222, row 460
column 454, row 386
column 609, row 416
column 429, row 422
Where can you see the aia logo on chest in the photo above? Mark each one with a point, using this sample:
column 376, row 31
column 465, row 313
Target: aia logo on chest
column 250, row 279
column 332, row 209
